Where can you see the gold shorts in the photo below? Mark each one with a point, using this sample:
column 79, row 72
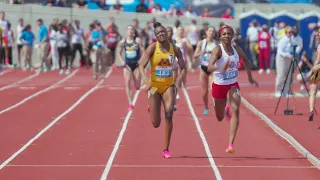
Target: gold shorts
column 159, row 87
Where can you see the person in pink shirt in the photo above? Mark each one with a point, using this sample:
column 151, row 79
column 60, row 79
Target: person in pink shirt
column 206, row 13
column 227, row 14
column 264, row 49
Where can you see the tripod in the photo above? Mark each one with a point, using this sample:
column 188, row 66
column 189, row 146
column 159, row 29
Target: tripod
column 288, row 111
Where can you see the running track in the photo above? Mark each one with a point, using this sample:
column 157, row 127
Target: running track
column 78, row 128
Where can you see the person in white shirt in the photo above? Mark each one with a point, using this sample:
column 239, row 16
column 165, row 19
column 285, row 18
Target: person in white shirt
column 77, row 38
column 297, row 41
column 273, row 42
column 62, row 40
column 19, row 42
column 283, row 60
column 53, row 47
column 189, row 13
column 252, row 40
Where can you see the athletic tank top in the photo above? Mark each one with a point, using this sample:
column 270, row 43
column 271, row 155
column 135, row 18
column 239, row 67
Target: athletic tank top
column 193, row 35
column 182, row 45
column 132, row 52
column 77, row 36
column 112, row 38
column 228, row 68
column 207, row 48
column 162, row 65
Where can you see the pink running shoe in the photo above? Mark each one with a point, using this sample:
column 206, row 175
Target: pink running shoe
column 227, row 112
column 230, row 149
column 131, row 107
column 166, row 154
column 148, row 108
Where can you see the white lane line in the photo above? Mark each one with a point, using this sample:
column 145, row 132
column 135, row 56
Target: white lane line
column 39, row 92
column 18, row 82
column 149, row 166
column 302, row 150
column 116, row 146
column 83, row 97
column 202, row 136
column 5, row 72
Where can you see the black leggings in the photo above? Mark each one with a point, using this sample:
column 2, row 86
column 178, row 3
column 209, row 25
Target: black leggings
column 3, row 55
column 63, row 51
column 75, row 48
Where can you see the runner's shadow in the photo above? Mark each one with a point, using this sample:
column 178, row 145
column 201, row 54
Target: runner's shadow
column 239, row 158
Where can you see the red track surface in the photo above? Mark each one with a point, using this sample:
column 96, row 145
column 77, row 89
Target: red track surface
column 79, row 145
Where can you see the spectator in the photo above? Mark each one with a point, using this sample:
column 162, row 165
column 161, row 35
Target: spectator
column 135, row 24
column 53, row 47
column 48, row 3
column 297, row 41
column 82, row 4
column 8, row 56
column 102, row 5
column 227, row 14
column 159, row 10
column 203, row 31
column 99, row 53
column 27, row 37
column 251, row 42
column 172, row 10
column 18, row 42
column 58, row 3
column 43, row 44
column 3, row 26
column 76, row 40
column 151, row 8
column 206, row 13
column 117, row 7
column 113, row 37
column 141, row 8
column 264, row 49
column 62, row 40
column 16, row 1
column 189, row 13
column 273, row 42
column 239, row 41
column 283, row 60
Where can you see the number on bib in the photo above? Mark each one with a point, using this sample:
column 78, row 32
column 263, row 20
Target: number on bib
column 230, row 75
column 164, row 72
column 206, row 57
column 131, row 54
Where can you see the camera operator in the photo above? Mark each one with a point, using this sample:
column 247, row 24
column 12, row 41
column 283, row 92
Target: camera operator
column 283, row 60
column 297, row 41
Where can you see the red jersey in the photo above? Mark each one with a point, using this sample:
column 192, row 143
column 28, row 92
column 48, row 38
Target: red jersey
column 112, row 36
column 264, row 40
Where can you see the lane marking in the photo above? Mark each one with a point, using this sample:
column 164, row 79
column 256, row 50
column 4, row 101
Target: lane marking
column 5, row 72
column 150, row 166
column 83, row 97
column 72, row 88
column 303, row 151
column 39, row 92
column 116, row 146
column 27, row 88
column 18, row 82
column 202, row 136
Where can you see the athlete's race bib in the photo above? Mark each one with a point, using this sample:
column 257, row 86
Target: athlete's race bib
column 112, row 40
column 131, row 54
column 164, row 72
column 262, row 44
column 206, row 57
column 230, row 75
